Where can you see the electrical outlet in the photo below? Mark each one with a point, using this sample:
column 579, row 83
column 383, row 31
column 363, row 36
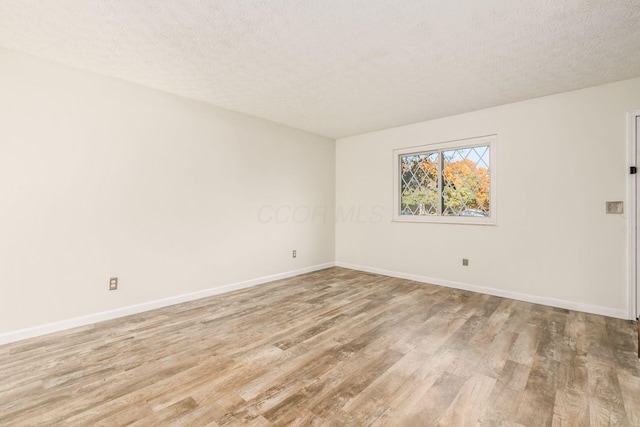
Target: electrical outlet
column 113, row 283
column 295, row 253
column 465, row 262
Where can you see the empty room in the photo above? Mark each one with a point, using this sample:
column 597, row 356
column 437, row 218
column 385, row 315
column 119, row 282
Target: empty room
column 327, row 213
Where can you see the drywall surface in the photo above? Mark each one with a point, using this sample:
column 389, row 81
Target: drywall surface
column 102, row 178
column 559, row 158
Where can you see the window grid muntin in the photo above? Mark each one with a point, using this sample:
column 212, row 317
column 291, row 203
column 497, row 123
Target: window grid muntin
column 483, row 154
column 422, row 156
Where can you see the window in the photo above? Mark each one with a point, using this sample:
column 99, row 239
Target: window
column 451, row 182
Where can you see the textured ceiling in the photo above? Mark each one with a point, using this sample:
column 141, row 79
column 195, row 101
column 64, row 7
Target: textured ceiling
column 338, row 67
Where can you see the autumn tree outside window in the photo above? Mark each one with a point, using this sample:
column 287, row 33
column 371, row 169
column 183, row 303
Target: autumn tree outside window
column 451, row 182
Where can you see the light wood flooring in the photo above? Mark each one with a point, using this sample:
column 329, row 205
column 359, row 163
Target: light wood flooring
column 331, row 348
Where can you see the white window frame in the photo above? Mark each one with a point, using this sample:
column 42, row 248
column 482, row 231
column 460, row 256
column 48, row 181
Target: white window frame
column 489, row 140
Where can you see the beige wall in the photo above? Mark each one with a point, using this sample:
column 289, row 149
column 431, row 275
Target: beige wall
column 102, row 178
column 559, row 158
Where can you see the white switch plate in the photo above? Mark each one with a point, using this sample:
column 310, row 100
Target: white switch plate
column 614, row 207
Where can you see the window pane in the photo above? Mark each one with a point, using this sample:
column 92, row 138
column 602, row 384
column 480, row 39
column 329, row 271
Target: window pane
column 450, row 182
column 466, row 182
column 419, row 186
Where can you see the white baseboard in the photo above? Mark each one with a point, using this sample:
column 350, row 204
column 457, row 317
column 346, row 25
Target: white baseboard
column 553, row 302
column 36, row 331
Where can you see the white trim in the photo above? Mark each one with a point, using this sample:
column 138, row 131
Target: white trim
column 36, row 331
column 490, row 140
column 632, row 220
column 553, row 302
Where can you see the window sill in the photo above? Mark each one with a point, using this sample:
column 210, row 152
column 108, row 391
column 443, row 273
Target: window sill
column 445, row 220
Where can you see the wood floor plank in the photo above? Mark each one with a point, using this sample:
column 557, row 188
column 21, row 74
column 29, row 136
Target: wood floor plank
column 434, row 403
column 606, row 403
column 467, row 407
column 368, row 405
column 523, row 350
column 630, row 388
column 572, row 393
column 538, row 399
column 395, row 408
column 506, row 395
column 334, row 347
